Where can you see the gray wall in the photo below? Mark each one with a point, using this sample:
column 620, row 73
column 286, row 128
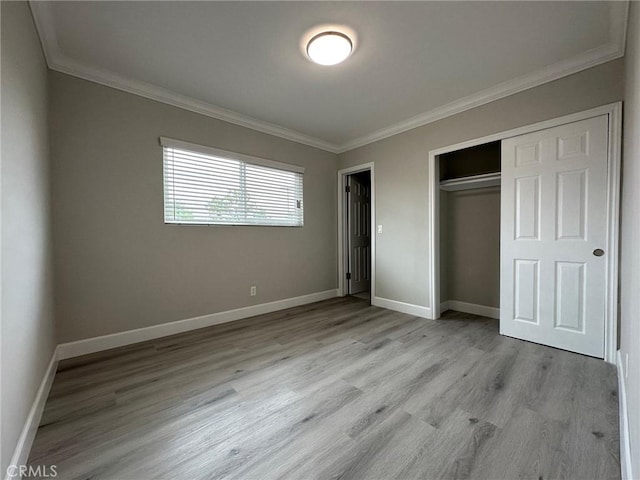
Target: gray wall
column 28, row 333
column 401, row 171
column 470, row 261
column 630, row 235
column 118, row 266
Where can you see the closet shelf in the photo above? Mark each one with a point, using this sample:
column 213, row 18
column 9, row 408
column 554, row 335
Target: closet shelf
column 475, row 181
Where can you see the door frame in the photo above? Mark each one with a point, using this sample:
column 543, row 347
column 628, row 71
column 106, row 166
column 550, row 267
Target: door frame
column 343, row 228
column 614, row 112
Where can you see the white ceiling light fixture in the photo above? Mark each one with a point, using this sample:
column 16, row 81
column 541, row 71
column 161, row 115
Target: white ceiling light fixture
column 329, row 48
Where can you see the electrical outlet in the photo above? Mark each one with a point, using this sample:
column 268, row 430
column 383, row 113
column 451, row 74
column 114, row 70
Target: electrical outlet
column 253, row 290
column 379, row 228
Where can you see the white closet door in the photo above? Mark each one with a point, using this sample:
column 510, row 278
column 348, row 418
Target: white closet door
column 553, row 232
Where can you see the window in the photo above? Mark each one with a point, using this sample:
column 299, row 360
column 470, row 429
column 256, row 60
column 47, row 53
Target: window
column 207, row 186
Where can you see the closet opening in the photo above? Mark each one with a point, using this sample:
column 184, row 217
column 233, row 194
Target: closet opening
column 469, row 231
column 558, row 272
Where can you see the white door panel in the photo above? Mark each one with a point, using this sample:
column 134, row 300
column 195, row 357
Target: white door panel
column 554, row 198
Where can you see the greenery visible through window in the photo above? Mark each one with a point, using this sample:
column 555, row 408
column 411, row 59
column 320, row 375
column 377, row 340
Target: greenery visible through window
column 208, row 186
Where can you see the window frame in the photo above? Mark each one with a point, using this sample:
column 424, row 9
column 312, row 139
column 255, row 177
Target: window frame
column 166, row 142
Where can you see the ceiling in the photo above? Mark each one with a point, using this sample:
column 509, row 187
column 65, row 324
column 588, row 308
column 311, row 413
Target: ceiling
column 414, row 62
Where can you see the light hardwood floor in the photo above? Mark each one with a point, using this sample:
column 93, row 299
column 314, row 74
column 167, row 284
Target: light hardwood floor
column 336, row 389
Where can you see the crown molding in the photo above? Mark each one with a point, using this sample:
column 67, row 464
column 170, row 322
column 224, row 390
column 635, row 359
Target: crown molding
column 591, row 58
column 66, row 65
column 582, row 62
column 43, row 18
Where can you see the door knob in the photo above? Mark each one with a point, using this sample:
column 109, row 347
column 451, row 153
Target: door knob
column 598, row 252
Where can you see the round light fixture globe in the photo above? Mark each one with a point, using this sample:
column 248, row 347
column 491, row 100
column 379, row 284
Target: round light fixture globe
column 329, row 48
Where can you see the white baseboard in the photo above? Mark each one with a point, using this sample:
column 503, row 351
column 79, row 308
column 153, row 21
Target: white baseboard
column 30, row 428
column 472, row 308
column 411, row 309
column 120, row 339
column 625, row 443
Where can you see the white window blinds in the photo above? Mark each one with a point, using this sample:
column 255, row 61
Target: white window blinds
column 207, row 186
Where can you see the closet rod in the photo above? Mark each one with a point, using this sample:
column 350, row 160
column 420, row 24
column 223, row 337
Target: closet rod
column 475, row 181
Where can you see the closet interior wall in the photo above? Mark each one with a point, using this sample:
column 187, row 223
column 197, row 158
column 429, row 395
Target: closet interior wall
column 470, row 229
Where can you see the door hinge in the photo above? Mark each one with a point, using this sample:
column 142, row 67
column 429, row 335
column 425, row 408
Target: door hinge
column 347, row 188
column 348, row 276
